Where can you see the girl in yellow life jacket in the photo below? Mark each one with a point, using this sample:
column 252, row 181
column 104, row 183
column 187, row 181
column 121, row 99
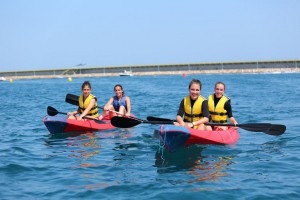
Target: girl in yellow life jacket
column 219, row 107
column 193, row 109
column 87, row 104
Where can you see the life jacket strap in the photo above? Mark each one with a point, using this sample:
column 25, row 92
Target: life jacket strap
column 217, row 113
column 219, row 121
column 193, row 116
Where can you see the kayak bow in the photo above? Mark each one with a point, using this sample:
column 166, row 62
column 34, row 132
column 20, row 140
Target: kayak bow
column 61, row 124
column 174, row 137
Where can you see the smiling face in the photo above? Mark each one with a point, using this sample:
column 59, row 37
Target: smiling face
column 118, row 91
column 86, row 90
column 219, row 90
column 195, row 90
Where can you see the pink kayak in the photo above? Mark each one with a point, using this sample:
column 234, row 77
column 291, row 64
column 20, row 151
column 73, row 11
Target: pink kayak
column 61, row 124
column 174, row 137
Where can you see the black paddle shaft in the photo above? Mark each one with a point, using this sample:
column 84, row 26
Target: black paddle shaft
column 52, row 111
column 271, row 129
column 127, row 122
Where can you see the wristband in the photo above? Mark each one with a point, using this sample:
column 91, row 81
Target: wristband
column 193, row 124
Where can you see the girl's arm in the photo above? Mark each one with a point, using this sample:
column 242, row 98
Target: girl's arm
column 128, row 103
column 107, row 105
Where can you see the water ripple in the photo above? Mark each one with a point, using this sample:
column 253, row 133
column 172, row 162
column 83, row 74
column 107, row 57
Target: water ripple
column 129, row 164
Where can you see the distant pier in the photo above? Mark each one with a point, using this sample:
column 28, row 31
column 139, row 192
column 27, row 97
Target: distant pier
column 280, row 66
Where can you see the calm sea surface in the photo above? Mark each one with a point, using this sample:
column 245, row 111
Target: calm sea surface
column 127, row 163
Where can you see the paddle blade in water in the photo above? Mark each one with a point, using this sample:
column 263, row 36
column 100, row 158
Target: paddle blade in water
column 276, row 129
column 124, row 122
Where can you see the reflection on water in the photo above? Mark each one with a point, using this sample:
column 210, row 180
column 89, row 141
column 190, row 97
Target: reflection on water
column 110, row 151
column 90, row 148
column 273, row 146
column 96, row 151
column 85, row 145
column 201, row 168
column 82, row 146
column 184, row 158
column 210, row 169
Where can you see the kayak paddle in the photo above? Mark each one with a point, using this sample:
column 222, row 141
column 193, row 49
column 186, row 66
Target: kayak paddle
column 159, row 119
column 52, row 112
column 72, row 99
column 271, row 129
column 276, row 129
column 125, row 122
column 257, row 127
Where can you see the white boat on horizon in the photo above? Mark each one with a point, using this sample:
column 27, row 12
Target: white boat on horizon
column 2, row 79
column 127, row 73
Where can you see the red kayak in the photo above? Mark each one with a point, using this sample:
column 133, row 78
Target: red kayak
column 174, row 137
column 61, row 124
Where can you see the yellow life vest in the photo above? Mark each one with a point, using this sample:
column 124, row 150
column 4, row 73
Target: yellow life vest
column 218, row 114
column 84, row 104
column 192, row 114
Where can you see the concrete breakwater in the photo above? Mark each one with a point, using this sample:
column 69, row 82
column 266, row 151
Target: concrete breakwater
column 285, row 66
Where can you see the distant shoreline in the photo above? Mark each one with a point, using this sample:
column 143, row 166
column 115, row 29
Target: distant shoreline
column 156, row 73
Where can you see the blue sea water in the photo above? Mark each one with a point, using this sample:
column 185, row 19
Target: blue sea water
column 127, row 163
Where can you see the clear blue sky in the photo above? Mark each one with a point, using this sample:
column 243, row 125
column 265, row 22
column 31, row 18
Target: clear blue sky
column 49, row 34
